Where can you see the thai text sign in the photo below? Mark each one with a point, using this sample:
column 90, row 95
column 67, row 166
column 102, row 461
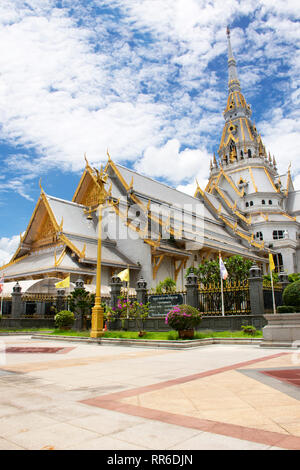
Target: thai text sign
column 160, row 305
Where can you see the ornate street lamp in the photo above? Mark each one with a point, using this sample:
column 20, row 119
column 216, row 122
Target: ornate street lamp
column 104, row 200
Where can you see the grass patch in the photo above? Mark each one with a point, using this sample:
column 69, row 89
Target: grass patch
column 24, row 330
column 158, row 335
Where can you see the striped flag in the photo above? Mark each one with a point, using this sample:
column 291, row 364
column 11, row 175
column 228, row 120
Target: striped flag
column 223, row 270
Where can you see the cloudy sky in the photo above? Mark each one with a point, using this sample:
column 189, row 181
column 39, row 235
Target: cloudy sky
column 146, row 79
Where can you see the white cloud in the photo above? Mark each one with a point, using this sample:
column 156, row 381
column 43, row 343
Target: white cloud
column 173, row 165
column 67, row 89
column 8, row 247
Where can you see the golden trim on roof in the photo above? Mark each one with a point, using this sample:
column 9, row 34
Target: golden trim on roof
column 271, row 181
column 58, row 261
column 252, row 179
column 249, row 131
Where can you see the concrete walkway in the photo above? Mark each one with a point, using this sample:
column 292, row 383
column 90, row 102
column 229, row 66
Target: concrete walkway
column 59, row 395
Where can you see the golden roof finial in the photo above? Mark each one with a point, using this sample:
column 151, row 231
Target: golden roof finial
column 40, row 185
column 109, row 157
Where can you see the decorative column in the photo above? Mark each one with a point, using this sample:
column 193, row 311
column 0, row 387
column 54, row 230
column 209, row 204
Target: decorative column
column 256, row 291
column 283, row 279
column 191, row 286
column 78, row 324
column 115, row 290
column 16, row 301
column 60, row 300
column 141, row 291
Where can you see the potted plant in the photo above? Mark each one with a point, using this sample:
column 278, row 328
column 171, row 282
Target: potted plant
column 64, row 320
column 184, row 319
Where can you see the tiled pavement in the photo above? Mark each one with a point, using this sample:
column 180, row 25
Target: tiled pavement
column 122, row 398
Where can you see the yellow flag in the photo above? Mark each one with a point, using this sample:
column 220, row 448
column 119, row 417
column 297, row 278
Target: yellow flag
column 64, row 283
column 271, row 262
column 124, row 275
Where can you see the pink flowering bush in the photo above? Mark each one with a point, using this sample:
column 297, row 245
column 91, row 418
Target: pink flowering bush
column 183, row 317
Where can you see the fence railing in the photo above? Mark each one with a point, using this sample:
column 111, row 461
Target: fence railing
column 236, row 299
column 268, row 296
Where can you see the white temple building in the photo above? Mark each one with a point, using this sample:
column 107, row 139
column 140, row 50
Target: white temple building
column 156, row 231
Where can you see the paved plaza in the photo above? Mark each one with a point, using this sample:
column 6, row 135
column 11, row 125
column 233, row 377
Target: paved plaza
column 64, row 395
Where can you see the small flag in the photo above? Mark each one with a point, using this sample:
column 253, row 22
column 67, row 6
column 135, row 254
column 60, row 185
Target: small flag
column 271, row 261
column 1, row 284
column 223, row 270
column 64, row 283
column 124, row 275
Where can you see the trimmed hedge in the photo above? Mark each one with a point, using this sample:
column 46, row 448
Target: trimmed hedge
column 64, row 319
column 291, row 294
column 286, row 309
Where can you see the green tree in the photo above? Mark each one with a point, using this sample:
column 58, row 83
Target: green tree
column 208, row 272
column 166, row 286
column 81, row 301
column 238, row 268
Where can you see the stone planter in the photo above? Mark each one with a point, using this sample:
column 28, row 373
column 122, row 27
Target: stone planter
column 283, row 329
column 186, row 334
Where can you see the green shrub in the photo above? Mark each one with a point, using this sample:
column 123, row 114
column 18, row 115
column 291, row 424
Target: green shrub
column 249, row 330
column 291, row 294
column 183, row 317
column 286, row 309
column 166, row 286
column 64, row 319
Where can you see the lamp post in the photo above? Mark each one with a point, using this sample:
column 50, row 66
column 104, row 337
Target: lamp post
column 104, row 199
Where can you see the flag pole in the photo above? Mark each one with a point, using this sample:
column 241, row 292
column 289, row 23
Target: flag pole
column 128, row 291
column 222, row 291
column 272, row 266
column 1, row 308
column 273, row 295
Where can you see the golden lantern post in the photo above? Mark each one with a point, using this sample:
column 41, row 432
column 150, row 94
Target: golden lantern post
column 100, row 179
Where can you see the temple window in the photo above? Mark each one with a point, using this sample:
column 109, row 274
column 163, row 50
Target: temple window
column 247, row 204
column 263, row 201
column 270, row 202
column 251, row 203
column 278, row 261
column 249, row 153
column 259, row 236
column 278, row 234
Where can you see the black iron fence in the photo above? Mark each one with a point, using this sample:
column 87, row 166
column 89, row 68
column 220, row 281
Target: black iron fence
column 236, row 299
column 268, row 296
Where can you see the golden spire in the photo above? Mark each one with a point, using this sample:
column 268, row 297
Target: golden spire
column 215, row 160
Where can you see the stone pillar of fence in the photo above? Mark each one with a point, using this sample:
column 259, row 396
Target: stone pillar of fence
column 16, row 301
column 141, row 291
column 283, row 280
column 115, row 290
column 60, row 300
column 192, row 296
column 78, row 324
column 256, row 291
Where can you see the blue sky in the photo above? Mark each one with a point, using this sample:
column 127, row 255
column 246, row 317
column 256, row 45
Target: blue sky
column 146, row 79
